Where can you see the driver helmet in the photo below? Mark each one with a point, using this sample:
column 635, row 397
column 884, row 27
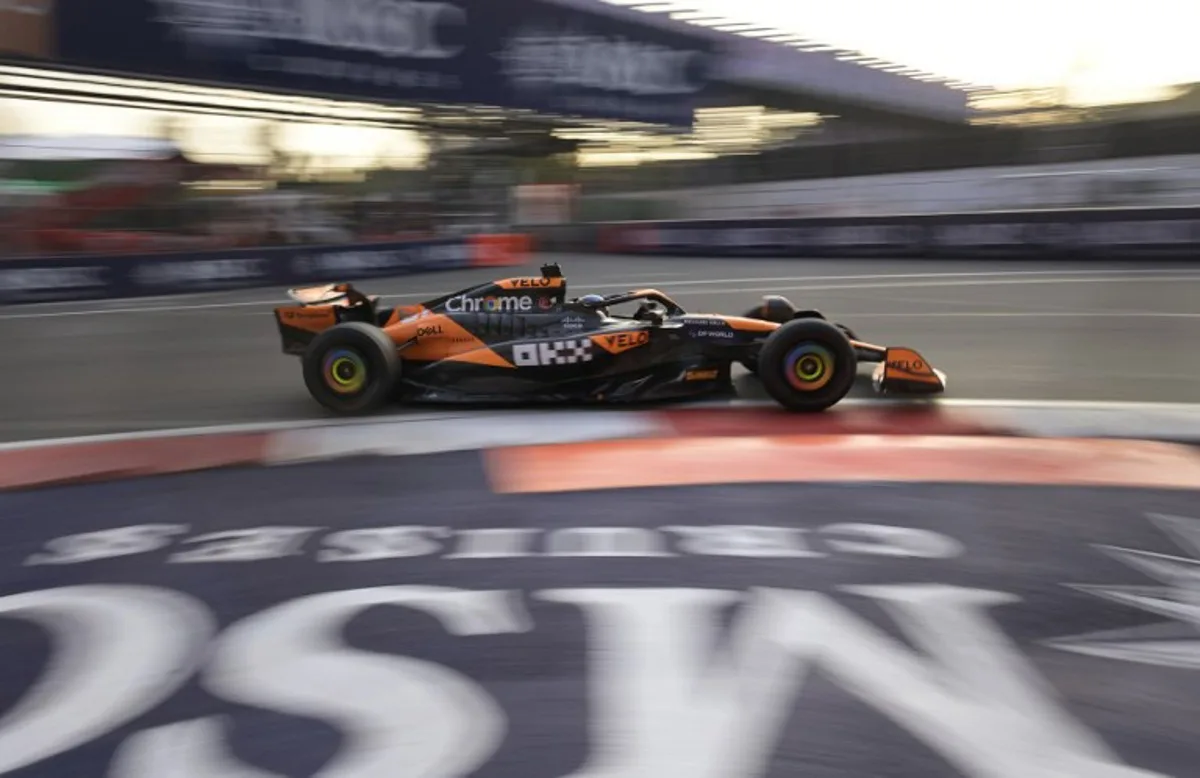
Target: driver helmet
column 592, row 299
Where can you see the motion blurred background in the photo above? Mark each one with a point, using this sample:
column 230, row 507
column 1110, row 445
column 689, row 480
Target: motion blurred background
column 156, row 126
column 168, row 168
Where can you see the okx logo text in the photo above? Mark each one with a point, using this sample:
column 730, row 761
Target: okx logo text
column 559, row 352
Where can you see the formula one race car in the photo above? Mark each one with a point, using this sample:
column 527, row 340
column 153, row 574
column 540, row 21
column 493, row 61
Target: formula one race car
column 521, row 340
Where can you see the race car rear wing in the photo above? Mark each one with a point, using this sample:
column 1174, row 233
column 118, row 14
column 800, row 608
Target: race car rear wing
column 318, row 309
column 328, row 294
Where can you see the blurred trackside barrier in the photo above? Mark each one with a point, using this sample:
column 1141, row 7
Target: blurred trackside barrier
column 1160, row 181
column 62, row 279
column 500, row 250
column 1098, row 233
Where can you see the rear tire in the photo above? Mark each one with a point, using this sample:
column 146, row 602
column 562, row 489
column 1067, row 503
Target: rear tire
column 807, row 365
column 351, row 368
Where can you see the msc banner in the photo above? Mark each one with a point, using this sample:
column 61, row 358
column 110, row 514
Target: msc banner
column 1099, row 233
column 529, row 54
column 62, row 279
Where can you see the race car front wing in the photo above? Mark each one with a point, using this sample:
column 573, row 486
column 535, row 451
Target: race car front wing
column 904, row 371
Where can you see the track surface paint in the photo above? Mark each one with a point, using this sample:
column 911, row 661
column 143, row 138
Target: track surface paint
column 855, row 458
column 1023, row 330
column 734, row 631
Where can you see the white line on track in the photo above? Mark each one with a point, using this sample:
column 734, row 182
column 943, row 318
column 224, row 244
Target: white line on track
column 234, row 429
column 890, row 281
column 935, row 284
column 150, row 309
column 973, row 274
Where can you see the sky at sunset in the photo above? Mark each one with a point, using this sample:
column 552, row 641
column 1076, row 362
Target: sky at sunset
column 1109, row 50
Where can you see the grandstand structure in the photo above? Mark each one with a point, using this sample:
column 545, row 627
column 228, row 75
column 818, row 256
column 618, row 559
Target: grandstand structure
column 777, row 118
column 761, row 91
column 775, row 106
column 1031, row 148
column 760, row 96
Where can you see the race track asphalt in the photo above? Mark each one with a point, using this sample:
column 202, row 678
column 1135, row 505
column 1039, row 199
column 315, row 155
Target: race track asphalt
column 1120, row 331
column 384, row 617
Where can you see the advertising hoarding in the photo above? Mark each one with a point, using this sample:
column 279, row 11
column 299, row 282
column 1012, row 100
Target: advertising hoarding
column 529, row 54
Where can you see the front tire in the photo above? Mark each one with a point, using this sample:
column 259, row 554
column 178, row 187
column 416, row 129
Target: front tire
column 351, row 368
column 807, row 365
column 774, row 308
column 779, row 310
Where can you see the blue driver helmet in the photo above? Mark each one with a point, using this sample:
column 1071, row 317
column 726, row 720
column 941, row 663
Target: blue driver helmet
column 592, row 300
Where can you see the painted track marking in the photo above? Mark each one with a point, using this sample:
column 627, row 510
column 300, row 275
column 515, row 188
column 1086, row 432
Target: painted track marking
column 693, row 461
column 1115, row 407
column 938, row 284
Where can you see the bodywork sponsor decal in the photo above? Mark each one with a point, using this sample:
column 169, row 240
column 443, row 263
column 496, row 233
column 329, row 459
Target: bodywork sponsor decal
column 552, row 353
column 619, row 342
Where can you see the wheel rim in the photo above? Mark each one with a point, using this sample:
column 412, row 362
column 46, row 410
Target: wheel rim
column 809, row 366
column 344, row 371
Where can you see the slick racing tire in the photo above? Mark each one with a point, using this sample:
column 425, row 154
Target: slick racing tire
column 351, row 368
column 779, row 310
column 807, row 365
column 773, row 308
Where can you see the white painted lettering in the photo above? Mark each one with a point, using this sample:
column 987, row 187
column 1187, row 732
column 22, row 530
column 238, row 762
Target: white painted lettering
column 980, row 703
column 659, row 693
column 107, row 544
column 246, row 545
column 366, row 545
column 743, row 541
column 884, row 540
column 118, row 652
column 400, row 716
column 493, row 543
column 403, row 541
column 191, row 749
column 605, row 542
column 663, row 681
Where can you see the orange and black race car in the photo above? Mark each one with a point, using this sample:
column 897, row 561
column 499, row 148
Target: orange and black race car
column 522, row 340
